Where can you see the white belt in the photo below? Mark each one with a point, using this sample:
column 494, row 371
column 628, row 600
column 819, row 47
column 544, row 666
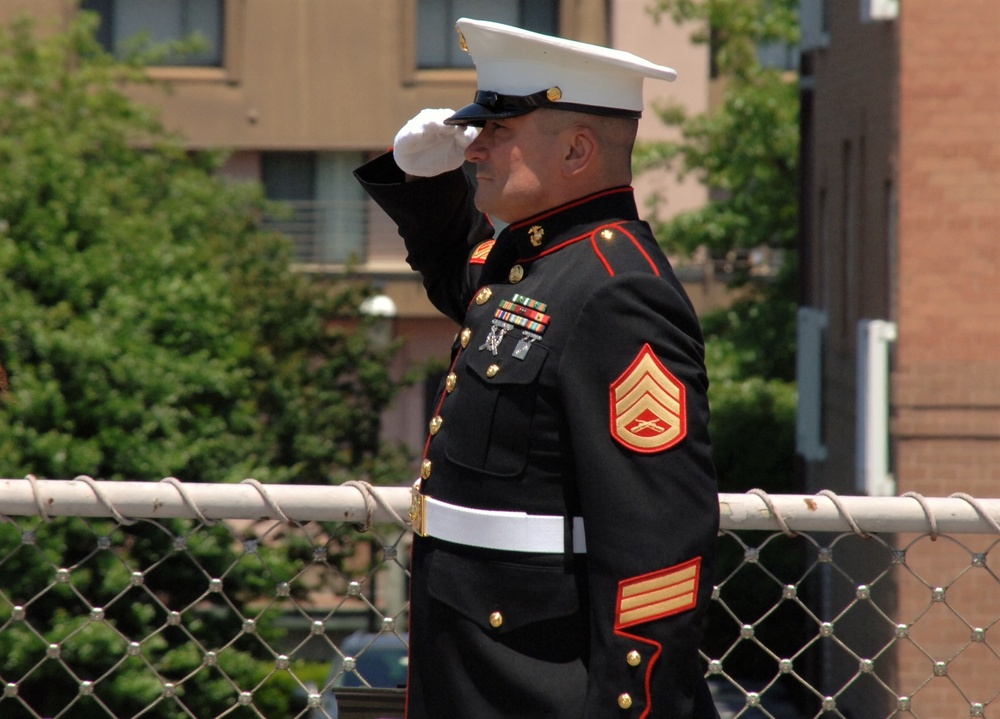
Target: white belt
column 493, row 529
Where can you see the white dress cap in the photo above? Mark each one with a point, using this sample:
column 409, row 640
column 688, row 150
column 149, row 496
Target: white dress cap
column 518, row 71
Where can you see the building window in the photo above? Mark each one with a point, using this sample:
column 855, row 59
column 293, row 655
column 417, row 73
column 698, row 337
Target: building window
column 780, row 56
column 814, row 25
column 809, row 417
column 437, row 43
column 131, row 25
column 326, row 205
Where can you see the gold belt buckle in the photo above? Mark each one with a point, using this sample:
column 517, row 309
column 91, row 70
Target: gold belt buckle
column 417, row 516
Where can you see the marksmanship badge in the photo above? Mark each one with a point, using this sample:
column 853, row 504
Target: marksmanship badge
column 648, row 410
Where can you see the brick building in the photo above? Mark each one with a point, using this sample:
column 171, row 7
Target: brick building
column 900, row 224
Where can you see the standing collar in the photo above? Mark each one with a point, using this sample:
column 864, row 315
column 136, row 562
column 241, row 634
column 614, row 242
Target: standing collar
column 537, row 233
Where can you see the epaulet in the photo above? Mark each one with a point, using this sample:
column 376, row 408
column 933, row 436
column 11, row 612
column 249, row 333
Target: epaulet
column 481, row 252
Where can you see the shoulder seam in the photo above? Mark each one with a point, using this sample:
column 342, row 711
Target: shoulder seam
column 595, row 237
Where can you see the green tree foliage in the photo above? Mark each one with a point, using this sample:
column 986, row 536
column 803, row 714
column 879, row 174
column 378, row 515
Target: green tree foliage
column 149, row 328
column 746, row 151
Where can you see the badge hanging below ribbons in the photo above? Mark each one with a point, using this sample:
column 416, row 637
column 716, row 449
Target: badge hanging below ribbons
column 495, row 337
column 524, row 344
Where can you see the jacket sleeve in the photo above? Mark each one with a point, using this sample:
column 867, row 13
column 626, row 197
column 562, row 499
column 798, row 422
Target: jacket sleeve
column 633, row 381
column 439, row 224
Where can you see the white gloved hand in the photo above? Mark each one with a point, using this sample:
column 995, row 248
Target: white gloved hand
column 425, row 146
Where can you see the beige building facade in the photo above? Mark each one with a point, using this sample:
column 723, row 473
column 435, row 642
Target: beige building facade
column 300, row 92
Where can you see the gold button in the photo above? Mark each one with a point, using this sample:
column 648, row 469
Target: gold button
column 425, row 469
column 624, row 700
column 633, row 658
column 450, row 381
column 484, row 296
column 465, row 337
column 516, row 273
column 554, row 94
column 496, row 620
column 461, row 41
column 436, row 423
column 492, row 370
column 607, row 234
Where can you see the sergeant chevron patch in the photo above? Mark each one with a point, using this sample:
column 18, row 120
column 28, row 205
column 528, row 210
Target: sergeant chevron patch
column 648, row 411
column 481, row 252
column 660, row 594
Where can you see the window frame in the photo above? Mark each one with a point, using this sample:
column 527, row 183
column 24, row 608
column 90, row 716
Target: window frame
column 317, row 247
column 229, row 69
column 413, row 74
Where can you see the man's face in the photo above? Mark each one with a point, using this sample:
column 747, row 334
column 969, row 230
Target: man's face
column 517, row 167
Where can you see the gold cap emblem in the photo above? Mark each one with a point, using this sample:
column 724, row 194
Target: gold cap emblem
column 554, row 94
column 450, row 381
column 465, row 337
column 461, row 41
column 624, row 701
column 535, row 235
column 496, row 620
column 484, row 296
column 516, row 273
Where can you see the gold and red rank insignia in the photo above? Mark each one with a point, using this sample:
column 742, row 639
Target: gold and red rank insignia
column 481, row 252
column 648, row 412
column 657, row 595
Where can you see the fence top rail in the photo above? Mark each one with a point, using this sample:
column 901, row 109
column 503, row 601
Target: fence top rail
column 361, row 503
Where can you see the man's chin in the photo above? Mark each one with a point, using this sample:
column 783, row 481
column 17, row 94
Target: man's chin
column 484, row 205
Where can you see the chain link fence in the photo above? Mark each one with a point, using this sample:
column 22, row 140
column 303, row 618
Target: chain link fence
column 171, row 600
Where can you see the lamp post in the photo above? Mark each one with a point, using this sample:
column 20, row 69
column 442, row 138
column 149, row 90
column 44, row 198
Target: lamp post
column 382, row 312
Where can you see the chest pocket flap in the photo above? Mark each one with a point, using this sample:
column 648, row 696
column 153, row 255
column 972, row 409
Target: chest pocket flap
column 492, row 409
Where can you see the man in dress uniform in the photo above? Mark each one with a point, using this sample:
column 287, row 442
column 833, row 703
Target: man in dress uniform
column 566, row 512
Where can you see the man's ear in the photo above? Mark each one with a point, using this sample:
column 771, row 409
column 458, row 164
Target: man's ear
column 581, row 150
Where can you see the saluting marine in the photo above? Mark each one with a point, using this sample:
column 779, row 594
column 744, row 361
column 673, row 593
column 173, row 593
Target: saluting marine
column 566, row 512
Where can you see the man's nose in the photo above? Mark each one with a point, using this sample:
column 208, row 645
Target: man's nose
column 476, row 151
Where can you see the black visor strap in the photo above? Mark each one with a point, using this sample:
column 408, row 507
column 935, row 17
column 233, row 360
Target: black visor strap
column 519, row 104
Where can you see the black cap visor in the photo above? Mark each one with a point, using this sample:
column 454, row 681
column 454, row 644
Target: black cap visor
column 490, row 105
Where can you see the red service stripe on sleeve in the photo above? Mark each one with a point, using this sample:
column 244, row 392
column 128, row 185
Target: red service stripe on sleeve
column 657, row 595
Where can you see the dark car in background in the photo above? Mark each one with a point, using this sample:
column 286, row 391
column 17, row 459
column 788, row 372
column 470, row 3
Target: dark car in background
column 369, row 660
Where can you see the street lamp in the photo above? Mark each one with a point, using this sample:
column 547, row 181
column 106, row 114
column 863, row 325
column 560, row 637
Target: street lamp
column 381, row 311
